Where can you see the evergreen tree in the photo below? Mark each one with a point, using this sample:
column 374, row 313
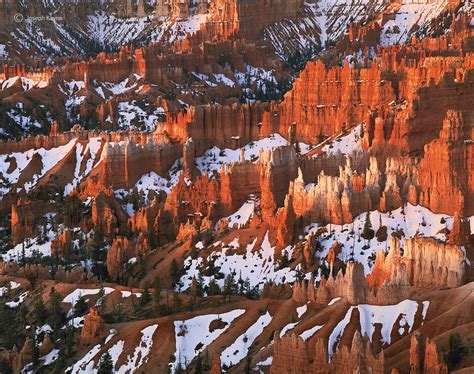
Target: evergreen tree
column 41, row 313
column 176, row 301
column 119, row 309
column 157, row 293
column 35, row 350
column 7, row 327
column 230, row 285
column 174, row 271
column 106, row 365
column 213, row 288
column 81, row 307
column 198, row 368
column 146, row 297
column 5, row 367
column 56, row 314
column 368, row 232
column 101, row 301
column 455, row 352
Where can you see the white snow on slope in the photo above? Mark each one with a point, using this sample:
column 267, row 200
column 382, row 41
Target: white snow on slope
column 345, row 144
column 242, row 216
column 86, row 365
column 333, row 301
column 238, row 350
column 194, row 335
column 318, row 23
column 257, row 266
column 26, row 83
column 15, row 303
column 386, row 315
column 91, row 150
column 81, row 292
column 49, row 159
column 305, row 335
column 109, row 30
column 411, row 13
column 4, row 290
column 214, row 158
column 32, row 247
column 301, row 310
column 132, row 116
column 141, row 352
column 287, row 328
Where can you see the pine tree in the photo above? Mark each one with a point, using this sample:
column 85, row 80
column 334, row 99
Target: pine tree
column 35, row 350
column 368, row 232
column 81, row 307
column 200, row 285
column 56, row 314
column 456, row 351
column 101, row 301
column 198, row 368
column 41, row 313
column 7, row 328
column 176, row 301
column 230, row 286
column 174, row 271
column 146, row 297
column 119, row 310
column 106, row 364
column 157, row 293
column 213, row 288
column 5, row 366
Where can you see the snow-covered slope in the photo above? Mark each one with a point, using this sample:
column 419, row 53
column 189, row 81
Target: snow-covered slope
column 320, row 22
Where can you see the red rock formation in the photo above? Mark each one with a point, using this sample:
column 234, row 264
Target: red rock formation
column 461, row 231
column 46, row 345
column 325, row 102
column 26, row 353
column 108, row 217
column 424, row 356
column 60, row 244
column 286, row 221
column 443, row 174
column 216, row 364
column 425, row 263
column 25, row 216
column 189, row 167
column 93, row 325
column 294, row 355
column 118, row 254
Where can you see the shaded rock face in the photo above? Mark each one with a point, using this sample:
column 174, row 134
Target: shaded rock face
column 93, row 325
column 294, row 355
